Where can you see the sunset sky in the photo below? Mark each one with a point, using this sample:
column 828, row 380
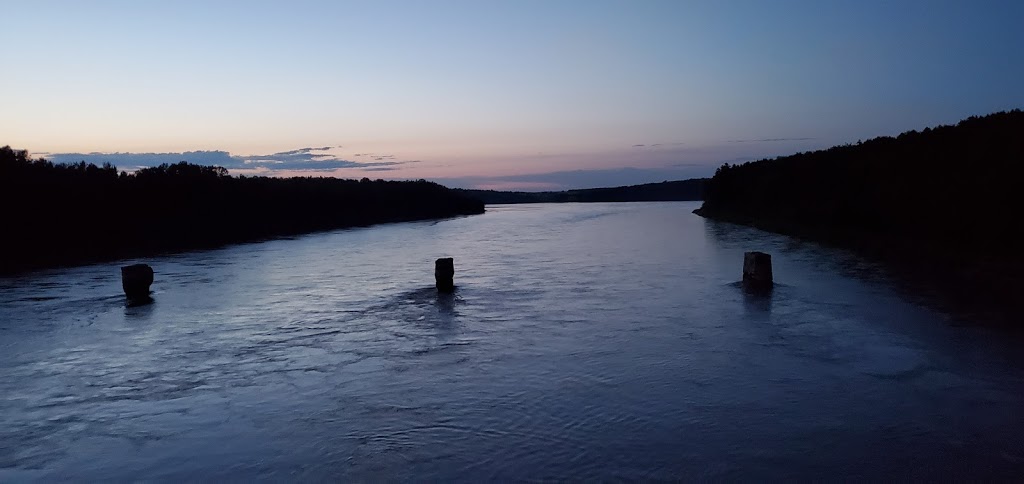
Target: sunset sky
column 498, row 94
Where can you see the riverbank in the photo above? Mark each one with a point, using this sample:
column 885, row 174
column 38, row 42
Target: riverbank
column 959, row 279
column 61, row 215
column 936, row 205
column 666, row 191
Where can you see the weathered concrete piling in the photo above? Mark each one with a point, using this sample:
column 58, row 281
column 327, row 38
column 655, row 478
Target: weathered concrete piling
column 136, row 279
column 444, row 274
column 757, row 270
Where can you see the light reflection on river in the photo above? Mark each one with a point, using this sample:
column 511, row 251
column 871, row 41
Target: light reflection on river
column 585, row 341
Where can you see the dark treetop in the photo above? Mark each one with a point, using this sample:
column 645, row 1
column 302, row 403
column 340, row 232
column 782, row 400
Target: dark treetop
column 682, row 190
column 944, row 201
column 59, row 214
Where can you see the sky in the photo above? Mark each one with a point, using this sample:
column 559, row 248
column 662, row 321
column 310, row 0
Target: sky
column 516, row 94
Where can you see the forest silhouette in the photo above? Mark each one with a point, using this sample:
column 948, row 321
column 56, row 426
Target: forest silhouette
column 62, row 214
column 680, row 190
column 943, row 201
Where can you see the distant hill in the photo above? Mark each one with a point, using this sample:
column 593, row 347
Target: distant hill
column 682, row 190
column 64, row 214
column 944, row 201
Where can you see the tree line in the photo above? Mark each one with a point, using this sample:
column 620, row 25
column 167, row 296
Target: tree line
column 666, row 191
column 945, row 197
column 58, row 214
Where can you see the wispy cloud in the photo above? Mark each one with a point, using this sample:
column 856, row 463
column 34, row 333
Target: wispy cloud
column 766, row 140
column 310, row 159
column 304, row 150
column 133, row 161
column 317, row 159
column 376, row 157
column 656, row 145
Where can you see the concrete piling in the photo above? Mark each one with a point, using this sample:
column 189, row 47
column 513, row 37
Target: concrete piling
column 135, row 280
column 757, row 270
column 444, row 274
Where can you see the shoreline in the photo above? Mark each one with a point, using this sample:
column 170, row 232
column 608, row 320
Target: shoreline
column 71, row 214
column 956, row 279
column 12, row 271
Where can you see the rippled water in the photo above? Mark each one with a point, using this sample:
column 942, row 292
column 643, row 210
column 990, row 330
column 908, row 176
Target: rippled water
column 584, row 341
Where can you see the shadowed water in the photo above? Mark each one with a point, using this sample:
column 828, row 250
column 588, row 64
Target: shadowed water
column 584, row 341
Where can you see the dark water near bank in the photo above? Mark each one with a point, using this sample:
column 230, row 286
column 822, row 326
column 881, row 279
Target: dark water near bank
column 585, row 341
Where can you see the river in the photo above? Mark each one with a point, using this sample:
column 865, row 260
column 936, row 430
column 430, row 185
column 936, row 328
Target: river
column 584, row 342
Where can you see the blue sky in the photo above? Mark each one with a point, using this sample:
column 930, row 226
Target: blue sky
column 515, row 94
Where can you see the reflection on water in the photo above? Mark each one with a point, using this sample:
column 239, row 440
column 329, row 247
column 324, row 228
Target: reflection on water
column 757, row 303
column 584, row 341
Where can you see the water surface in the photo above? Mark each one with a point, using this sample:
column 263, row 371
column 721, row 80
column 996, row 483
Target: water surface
column 584, row 341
